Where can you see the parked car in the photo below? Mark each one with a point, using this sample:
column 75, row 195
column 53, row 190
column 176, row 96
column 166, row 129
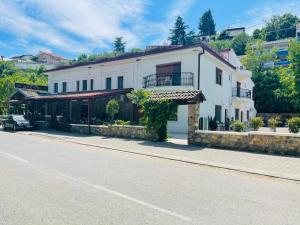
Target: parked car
column 16, row 122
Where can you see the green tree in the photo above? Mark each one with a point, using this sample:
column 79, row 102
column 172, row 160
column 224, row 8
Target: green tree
column 258, row 34
column 119, row 45
column 224, row 35
column 112, row 108
column 220, row 44
column 280, row 27
column 139, row 97
column 207, row 24
column 82, row 58
column 239, row 43
column 178, row 34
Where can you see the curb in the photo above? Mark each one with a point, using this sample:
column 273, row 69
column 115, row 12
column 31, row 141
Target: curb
column 181, row 159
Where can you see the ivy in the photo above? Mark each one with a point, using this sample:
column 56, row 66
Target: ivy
column 156, row 115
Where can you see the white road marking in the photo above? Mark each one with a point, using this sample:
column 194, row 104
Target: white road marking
column 14, row 157
column 101, row 188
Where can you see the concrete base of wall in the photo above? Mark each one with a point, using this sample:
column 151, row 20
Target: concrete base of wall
column 135, row 132
column 286, row 144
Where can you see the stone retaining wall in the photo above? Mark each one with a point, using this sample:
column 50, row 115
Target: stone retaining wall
column 287, row 144
column 126, row 131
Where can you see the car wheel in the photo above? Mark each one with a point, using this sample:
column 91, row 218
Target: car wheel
column 15, row 128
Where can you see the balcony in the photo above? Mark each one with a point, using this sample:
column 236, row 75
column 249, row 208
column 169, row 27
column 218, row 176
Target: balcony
column 241, row 93
column 169, row 79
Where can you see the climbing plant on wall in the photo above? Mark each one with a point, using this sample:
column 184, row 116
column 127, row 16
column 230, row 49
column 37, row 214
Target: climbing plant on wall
column 156, row 115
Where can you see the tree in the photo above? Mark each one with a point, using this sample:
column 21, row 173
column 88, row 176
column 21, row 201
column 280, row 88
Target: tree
column 139, row 97
column 207, row 24
column 280, row 27
column 239, row 43
column 112, row 108
column 258, row 34
column 119, row 45
column 224, row 35
column 82, row 58
column 178, row 34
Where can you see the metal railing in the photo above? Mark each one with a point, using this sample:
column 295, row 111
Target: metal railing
column 241, row 93
column 169, row 79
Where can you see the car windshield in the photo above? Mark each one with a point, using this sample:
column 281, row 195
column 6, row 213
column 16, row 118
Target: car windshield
column 18, row 117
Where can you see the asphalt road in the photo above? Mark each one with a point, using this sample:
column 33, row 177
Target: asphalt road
column 44, row 181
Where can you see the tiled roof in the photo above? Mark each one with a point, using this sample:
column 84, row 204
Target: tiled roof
column 182, row 97
column 163, row 49
column 83, row 95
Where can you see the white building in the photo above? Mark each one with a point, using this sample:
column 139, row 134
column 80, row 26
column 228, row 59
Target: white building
column 226, row 85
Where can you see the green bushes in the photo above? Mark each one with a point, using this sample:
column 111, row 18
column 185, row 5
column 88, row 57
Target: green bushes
column 122, row 122
column 238, row 126
column 294, row 124
column 273, row 123
column 256, row 123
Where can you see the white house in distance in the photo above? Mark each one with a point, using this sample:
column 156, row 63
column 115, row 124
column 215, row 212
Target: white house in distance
column 225, row 83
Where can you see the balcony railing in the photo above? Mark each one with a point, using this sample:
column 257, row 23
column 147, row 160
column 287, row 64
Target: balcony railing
column 241, row 93
column 169, row 79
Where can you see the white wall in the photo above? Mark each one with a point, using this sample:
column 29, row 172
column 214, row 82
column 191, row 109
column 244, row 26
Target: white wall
column 133, row 70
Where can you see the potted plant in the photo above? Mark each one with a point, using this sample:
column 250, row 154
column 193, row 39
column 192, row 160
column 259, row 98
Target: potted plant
column 273, row 123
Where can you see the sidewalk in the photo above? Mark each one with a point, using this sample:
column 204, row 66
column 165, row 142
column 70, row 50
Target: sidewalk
column 267, row 165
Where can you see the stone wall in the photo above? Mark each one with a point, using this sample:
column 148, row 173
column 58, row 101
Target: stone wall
column 127, row 131
column 287, row 144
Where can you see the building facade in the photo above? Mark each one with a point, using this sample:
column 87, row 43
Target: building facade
column 226, row 85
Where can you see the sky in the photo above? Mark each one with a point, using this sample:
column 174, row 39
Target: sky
column 72, row 27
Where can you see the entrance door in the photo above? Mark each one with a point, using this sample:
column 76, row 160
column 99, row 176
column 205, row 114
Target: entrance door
column 169, row 74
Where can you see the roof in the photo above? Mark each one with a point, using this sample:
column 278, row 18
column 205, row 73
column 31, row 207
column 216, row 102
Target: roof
column 51, row 54
column 154, row 51
column 38, row 95
column 181, row 97
column 236, row 28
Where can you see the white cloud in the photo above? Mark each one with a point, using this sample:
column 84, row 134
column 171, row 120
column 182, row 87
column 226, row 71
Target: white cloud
column 83, row 25
column 256, row 16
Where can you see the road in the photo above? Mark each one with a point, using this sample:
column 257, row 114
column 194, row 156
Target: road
column 44, row 181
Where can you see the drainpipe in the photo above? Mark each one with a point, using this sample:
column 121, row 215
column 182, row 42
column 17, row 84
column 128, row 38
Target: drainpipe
column 199, row 64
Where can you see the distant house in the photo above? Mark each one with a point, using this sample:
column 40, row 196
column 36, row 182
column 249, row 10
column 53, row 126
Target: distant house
column 21, row 58
column 50, row 58
column 232, row 32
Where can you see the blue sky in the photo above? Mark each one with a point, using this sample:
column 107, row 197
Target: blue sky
column 72, row 27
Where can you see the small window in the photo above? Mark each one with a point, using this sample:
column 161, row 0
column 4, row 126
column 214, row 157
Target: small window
column 78, row 85
column 55, row 87
column 218, row 113
column 108, row 83
column 64, row 87
column 120, row 82
column 219, row 76
column 92, row 84
column 84, row 85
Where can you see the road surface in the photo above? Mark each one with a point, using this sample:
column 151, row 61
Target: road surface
column 44, row 181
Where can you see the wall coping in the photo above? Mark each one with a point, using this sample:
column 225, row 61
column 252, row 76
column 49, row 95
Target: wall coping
column 249, row 133
column 114, row 125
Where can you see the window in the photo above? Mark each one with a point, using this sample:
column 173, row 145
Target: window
column 78, row 85
column 84, row 85
column 242, row 116
column 218, row 113
column 55, row 87
column 120, row 82
column 64, row 87
column 219, row 76
column 92, row 84
column 108, row 83
column 237, row 114
column 248, row 115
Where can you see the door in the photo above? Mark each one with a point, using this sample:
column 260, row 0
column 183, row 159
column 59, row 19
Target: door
column 169, row 74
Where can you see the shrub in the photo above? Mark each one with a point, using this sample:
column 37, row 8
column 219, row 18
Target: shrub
column 112, row 108
column 212, row 124
column 294, row 124
column 122, row 122
column 256, row 123
column 238, row 126
column 273, row 123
